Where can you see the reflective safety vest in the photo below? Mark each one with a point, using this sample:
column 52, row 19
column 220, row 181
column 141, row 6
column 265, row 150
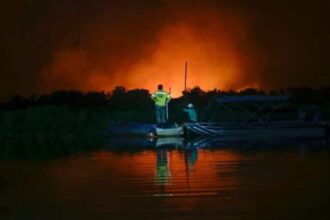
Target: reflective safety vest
column 160, row 97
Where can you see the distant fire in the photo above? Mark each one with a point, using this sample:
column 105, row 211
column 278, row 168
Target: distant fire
column 216, row 47
column 211, row 63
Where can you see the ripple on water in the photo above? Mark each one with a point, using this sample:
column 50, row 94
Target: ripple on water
column 230, row 183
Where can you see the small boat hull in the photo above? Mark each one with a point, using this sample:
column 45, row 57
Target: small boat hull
column 130, row 129
column 169, row 142
column 137, row 129
column 285, row 130
column 169, row 132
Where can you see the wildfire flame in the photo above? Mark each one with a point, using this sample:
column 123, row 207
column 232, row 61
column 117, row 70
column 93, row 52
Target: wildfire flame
column 216, row 47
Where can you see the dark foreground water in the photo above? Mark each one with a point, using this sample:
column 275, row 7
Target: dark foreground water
column 224, row 181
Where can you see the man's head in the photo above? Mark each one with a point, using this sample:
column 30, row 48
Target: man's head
column 160, row 87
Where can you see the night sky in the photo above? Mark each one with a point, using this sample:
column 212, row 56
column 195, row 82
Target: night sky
column 97, row 45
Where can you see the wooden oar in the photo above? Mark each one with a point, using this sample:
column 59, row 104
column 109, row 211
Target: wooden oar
column 169, row 92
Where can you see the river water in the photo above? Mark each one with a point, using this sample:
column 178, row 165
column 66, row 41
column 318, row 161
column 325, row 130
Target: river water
column 171, row 181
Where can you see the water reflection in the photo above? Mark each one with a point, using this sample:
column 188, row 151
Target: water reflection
column 169, row 142
column 164, row 156
column 171, row 178
column 191, row 156
column 163, row 173
column 55, row 148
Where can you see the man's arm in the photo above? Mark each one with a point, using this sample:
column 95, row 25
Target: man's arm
column 153, row 96
column 168, row 98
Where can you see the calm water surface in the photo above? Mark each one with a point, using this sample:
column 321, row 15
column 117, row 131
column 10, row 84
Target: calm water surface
column 231, row 181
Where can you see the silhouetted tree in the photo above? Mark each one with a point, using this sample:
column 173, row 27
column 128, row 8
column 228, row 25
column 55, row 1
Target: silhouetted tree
column 252, row 91
column 273, row 92
column 95, row 99
column 137, row 99
column 66, row 98
column 301, row 94
column 17, row 102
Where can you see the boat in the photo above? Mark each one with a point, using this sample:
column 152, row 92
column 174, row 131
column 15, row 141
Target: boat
column 141, row 143
column 130, row 129
column 260, row 131
column 169, row 132
column 175, row 141
column 141, row 129
column 257, row 117
column 135, row 144
column 216, row 142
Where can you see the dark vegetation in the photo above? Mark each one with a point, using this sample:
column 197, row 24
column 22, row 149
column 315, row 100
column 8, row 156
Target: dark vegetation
column 67, row 122
column 65, row 113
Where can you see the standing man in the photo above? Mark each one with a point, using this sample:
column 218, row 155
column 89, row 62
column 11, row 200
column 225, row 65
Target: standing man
column 161, row 98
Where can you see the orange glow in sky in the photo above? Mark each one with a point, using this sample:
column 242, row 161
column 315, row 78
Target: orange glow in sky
column 211, row 64
column 216, row 47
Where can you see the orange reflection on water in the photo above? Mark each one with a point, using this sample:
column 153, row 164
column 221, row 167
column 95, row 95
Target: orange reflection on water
column 239, row 183
column 180, row 175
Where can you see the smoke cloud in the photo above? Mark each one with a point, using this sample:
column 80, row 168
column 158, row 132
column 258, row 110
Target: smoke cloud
column 97, row 45
column 143, row 50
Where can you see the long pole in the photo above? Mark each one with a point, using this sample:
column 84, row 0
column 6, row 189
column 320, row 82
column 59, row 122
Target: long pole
column 185, row 76
column 169, row 91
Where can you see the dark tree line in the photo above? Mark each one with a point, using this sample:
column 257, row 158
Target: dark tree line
column 122, row 99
